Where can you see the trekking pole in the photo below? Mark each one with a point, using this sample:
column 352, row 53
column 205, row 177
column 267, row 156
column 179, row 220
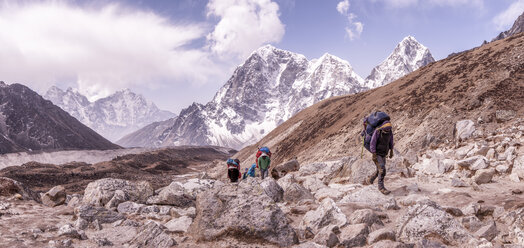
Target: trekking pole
column 362, row 150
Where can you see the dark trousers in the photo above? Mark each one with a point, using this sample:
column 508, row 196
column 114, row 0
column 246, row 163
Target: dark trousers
column 380, row 162
column 233, row 175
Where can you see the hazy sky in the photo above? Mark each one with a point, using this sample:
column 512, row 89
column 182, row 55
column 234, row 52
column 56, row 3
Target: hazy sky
column 176, row 52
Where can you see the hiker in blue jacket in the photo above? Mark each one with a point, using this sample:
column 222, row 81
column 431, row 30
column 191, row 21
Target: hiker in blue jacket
column 381, row 144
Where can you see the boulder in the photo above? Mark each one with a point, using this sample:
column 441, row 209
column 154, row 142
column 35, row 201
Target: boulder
column 359, row 170
column 329, row 192
column 484, row 176
column 74, row 202
column 129, row 207
column 179, row 225
column 518, row 166
column 490, row 155
column 10, row 187
column 381, row 234
column 354, row 235
column 457, row 182
column 327, row 236
column 428, row 219
column 413, row 199
column 119, row 197
column 173, row 195
column 464, row 129
column 293, row 191
column 369, row 196
column 474, row 163
column 242, row 210
column 54, row 197
column 100, row 192
column 69, row 231
column 309, row 244
column 514, row 177
column 313, row 184
column 488, row 231
column 461, row 152
column 326, row 214
column 504, row 115
column 324, row 171
column 282, row 169
column 152, row 235
column 390, row 244
column 365, row 216
column 272, row 189
column 92, row 213
column 434, row 166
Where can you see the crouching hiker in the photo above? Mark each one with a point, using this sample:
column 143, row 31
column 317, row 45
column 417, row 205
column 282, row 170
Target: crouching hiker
column 263, row 161
column 250, row 172
column 378, row 139
column 233, row 170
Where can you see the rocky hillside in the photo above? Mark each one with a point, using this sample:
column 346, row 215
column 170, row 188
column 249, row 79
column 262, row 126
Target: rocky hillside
column 114, row 116
column 28, row 122
column 271, row 86
column 485, row 85
column 518, row 27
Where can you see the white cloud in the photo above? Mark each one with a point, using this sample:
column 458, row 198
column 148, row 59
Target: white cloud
column 343, row 7
column 102, row 49
column 244, row 26
column 442, row 3
column 505, row 19
column 354, row 28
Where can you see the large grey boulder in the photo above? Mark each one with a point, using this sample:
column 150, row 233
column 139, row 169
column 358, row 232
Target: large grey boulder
column 10, row 187
column 243, row 210
column 328, row 213
column 293, row 191
column 464, row 129
column 381, row 234
column 327, row 236
column 484, row 176
column 434, row 166
column 357, row 170
column 152, row 235
column 430, row 220
column 282, row 169
column 183, row 194
column 365, row 216
column 354, row 235
column 474, row 163
column 54, row 197
column 272, row 189
column 179, row 225
column 488, row 231
column 100, row 192
column 324, row 171
column 369, row 196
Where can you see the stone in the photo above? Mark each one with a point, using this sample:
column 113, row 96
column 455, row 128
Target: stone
column 468, row 162
column 472, row 223
column 369, row 196
column 361, row 170
column 103, row 242
column 328, row 213
column 54, row 197
column 327, row 236
column 313, row 184
column 236, row 211
column 329, row 192
column 100, row 192
column 152, row 235
column 191, row 211
column 504, row 115
column 518, row 166
column 69, row 231
column 428, row 218
column 381, row 234
column 91, row 213
column 119, row 197
column 282, row 169
column 461, row 152
column 309, row 244
column 471, row 209
column 488, row 232
column 479, row 164
column 10, row 187
column 464, row 129
column 490, row 155
column 353, row 235
column 173, row 195
column 129, row 207
column 296, row 193
column 453, row 211
column 81, row 224
column 457, row 182
column 179, row 225
column 502, row 168
column 514, row 177
column 74, row 202
column 413, row 199
column 365, row 216
column 484, row 176
column 325, row 171
column 272, row 189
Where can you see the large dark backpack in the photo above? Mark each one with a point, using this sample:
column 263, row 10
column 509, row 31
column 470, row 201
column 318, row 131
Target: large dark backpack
column 374, row 120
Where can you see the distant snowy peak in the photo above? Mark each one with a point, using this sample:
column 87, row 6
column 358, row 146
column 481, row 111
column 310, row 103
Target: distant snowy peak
column 408, row 56
column 518, row 27
column 114, row 116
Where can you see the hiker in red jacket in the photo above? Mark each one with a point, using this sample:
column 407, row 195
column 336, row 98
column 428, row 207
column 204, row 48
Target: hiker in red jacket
column 233, row 169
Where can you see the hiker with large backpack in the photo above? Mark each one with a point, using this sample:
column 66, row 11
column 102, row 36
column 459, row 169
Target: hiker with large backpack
column 377, row 138
column 233, row 170
column 263, row 158
column 250, row 172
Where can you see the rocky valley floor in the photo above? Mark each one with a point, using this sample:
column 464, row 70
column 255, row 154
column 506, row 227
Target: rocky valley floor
column 463, row 194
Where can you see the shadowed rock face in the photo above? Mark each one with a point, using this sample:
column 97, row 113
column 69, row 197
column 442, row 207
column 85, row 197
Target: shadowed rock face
column 28, row 122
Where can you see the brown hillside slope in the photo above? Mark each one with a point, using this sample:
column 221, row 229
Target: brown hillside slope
column 424, row 106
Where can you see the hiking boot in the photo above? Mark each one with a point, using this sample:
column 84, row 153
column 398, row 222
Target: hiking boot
column 369, row 181
column 384, row 191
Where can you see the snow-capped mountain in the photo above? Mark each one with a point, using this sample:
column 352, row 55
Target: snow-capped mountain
column 28, row 122
column 270, row 87
column 408, row 56
column 114, row 116
column 518, row 26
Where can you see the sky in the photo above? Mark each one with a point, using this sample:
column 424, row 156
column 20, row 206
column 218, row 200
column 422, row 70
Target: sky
column 176, row 52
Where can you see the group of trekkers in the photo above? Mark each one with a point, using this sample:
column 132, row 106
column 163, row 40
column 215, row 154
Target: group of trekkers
column 377, row 138
column 262, row 161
